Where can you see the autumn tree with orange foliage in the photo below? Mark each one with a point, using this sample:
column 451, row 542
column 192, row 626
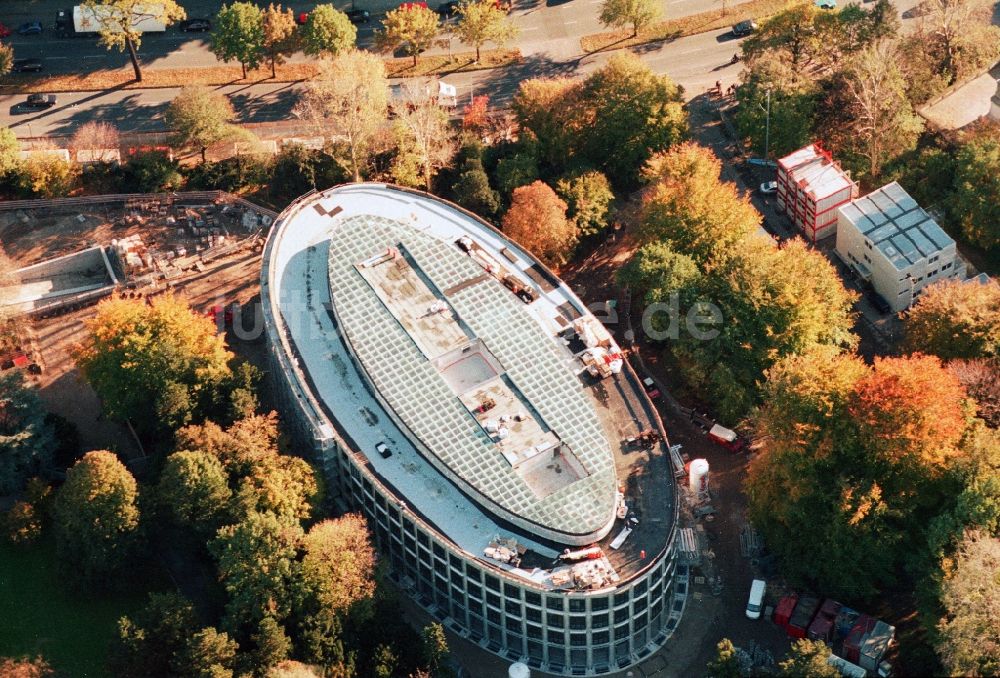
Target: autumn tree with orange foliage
column 857, row 461
column 537, row 220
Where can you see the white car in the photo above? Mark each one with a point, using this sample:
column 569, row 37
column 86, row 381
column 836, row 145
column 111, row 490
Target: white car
column 769, row 187
column 756, row 601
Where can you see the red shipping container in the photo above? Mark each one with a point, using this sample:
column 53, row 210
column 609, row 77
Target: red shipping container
column 854, row 639
column 822, row 626
column 783, row 612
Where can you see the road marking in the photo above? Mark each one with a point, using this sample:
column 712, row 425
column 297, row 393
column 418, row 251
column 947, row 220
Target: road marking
column 533, row 28
column 569, row 22
column 52, row 58
column 94, row 56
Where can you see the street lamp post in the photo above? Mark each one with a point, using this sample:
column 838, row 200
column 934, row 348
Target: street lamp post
column 767, row 125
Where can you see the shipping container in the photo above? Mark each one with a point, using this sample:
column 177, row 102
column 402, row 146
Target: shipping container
column 783, row 612
column 846, row 619
column 854, row 639
column 875, row 645
column 803, row 616
column 821, row 627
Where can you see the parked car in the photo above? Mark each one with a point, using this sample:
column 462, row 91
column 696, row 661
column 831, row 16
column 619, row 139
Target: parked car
column 196, row 25
column 756, row 601
column 4, row 31
column 383, row 450
column 30, row 28
column 27, row 65
column 302, row 18
column 880, row 304
column 744, row 28
column 40, row 101
column 448, row 9
column 769, row 187
column 650, row 387
column 358, row 16
column 826, row 4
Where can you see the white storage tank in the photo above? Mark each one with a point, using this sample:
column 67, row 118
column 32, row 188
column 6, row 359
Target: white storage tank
column 698, row 476
column 518, row 670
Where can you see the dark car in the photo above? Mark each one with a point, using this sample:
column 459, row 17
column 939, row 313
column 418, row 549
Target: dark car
column 448, row 9
column 4, row 31
column 30, row 28
column 744, row 28
column 40, row 101
column 651, row 389
column 358, row 16
column 196, row 25
column 27, row 65
column 880, row 304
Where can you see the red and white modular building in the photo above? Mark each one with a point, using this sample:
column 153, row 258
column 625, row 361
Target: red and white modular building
column 811, row 186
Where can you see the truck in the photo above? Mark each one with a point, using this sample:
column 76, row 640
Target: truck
column 82, row 22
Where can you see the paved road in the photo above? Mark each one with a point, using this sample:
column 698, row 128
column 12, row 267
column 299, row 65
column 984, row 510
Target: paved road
column 538, row 20
column 695, row 62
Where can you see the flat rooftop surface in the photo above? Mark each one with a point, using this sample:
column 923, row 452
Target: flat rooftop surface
column 901, row 230
column 386, row 276
column 814, row 173
column 302, row 296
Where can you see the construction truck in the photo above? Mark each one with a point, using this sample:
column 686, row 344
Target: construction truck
column 82, row 22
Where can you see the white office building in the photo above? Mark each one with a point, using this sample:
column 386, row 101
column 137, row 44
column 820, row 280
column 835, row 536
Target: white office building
column 892, row 243
column 467, row 402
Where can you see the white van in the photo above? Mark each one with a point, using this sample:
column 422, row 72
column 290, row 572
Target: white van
column 756, row 602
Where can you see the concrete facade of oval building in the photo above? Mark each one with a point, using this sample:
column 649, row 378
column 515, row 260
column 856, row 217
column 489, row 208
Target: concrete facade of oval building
column 430, row 517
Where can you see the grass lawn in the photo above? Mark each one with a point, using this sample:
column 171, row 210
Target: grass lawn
column 39, row 616
column 222, row 74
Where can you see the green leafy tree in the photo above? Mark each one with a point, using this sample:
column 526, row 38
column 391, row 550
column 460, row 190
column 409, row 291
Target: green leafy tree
column 280, row 35
column 633, row 115
column 788, row 35
column 10, row 151
column 194, row 488
column 952, row 319
column 482, row 21
column 349, row 98
column 26, row 439
column 549, row 112
column 133, row 351
column 959, row 36
column 635, row 13
column 412, row 28
column 385, row 662
column 807, row 659
column 339, row 562
column 975, row 203
column 435, row 648
column 725, row 664
column 518, row 169
column 6, row 58
column 238, row 35
column 48, row 176
column 207, row 654
column 258, row 567
column 659, row 273
column 201, row 117
column 120, row 22
column 793, row 96
column 151, row 172
column 328, row 32
column 537, row 221
column 968, row 634
column 473, row 192
column 271, row 646
column 689, row 208
column 281, row 485
column 148, row 641
column 96, row 516
column 589, row 198
column 770, row 303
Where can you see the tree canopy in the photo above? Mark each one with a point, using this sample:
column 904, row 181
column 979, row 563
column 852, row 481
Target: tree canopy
column 976, row 201
column 807, row 659
column 952, row 319
column 149, row 640
column 26, row 438
column 412, row 28
column 482, row 21
column 96, row 516
column 10, row 151
column 280, row 35
column 328, row 32
column 195, row 490
column 635, row 13
column 120, row 22
column 135, row 354
column 238, row 34
column 589, row 197
column 201, row 117
column 537, row 221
